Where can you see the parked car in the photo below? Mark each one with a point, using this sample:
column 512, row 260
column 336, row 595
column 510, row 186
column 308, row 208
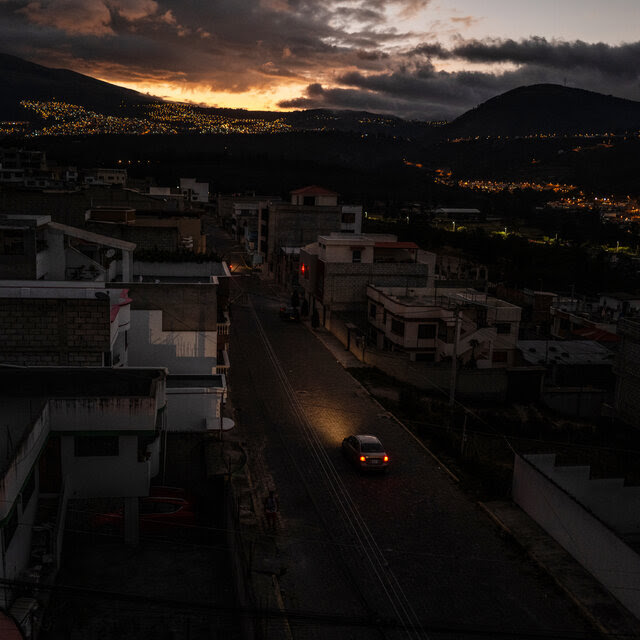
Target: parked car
column 291, row 314
column 163, row 511
column 366, row 452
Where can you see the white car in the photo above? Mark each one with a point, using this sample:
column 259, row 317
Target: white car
column 366, row 452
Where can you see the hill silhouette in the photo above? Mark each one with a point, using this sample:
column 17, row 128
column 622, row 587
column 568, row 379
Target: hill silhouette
column 22, row 80
column 547, row 109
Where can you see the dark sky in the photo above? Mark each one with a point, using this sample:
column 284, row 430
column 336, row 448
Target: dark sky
column 427, row 59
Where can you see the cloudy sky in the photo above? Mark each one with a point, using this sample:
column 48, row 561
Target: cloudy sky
column 424, row 59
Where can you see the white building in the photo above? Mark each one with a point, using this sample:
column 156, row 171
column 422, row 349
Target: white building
column 33, row 247
column 194, row 191
column 432, row 324
column 71, row 433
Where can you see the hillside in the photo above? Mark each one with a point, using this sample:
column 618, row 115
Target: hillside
column 25, row 80
column 547, row 108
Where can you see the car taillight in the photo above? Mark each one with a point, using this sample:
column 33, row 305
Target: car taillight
column 362, row 459
column 386, row 458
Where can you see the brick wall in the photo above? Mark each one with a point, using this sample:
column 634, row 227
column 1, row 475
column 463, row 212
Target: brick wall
column 46, row 332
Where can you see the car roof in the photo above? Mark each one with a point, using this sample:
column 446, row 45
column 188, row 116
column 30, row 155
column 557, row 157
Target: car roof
column 367, row 438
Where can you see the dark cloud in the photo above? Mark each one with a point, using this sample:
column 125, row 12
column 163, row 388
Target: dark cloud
column 621, row 60
column 348, row 53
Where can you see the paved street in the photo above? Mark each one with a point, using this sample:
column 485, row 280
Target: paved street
column 401, row 555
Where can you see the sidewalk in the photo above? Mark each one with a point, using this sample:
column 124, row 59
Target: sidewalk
column 605, row 612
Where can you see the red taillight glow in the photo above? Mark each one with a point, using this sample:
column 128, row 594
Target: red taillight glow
column 362, row 459
column 386, row 458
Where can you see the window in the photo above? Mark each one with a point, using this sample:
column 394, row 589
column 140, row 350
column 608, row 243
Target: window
column 372, row 310
column 11, row 243
column 397, row 327
column 503, row 327
column 96, row 446
column 348, row 217
column 356, row 255
column 425, row 356
column 426, row 331
column 499, row 356
column 309, row 201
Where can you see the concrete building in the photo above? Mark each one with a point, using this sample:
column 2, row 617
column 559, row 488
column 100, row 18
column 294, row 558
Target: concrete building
column 336, row 270
column 63, row 324
column 148, row 231
column 194, row 191
column 71, row 433
column 175, row 325
column 311, row 212
column 106, row 177
column 431, row 325
column 35, row 248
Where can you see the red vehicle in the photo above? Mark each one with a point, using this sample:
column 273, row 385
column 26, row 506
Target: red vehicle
column 166, row 509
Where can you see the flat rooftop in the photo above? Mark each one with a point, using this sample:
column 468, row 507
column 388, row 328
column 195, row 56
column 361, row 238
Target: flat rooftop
column 196, row 381
column 567, row 352
column 65, row 382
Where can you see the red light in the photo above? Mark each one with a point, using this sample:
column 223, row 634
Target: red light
column 362, row 459
column 302, row 267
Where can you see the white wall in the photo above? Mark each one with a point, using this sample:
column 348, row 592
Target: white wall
column 583, row 535
column 178, row 351
column 96, row 476
column 189, row 408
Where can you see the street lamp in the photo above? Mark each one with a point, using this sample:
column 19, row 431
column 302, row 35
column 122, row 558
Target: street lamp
column 454, row 225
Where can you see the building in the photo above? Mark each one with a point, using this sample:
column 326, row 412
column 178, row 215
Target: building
column 35, row 248
column 71, row 433
column 311, row 212
column 194, row 191
column 63, row 324
column 432, row 324
column 106, row 177
column 336, row 270
column 149, row 231
column 175, row 325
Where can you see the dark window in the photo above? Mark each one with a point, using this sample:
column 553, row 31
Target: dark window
column 348, row 217
column 356, row 255
column 11, row 243
column 9, row 528
column 426, row 331
column 27, row 490
column 309, row 201
column 96, row 446
column 372, row 310
column 503, row 327
column 499, row 356
column 397, row 327
column 425, row 357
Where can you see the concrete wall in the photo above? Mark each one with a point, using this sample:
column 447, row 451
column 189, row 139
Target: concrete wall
column 17, row 555
column 579, row 402
column 176, row 269
column 101, row 476
column 180, row 351
column 189, row 408
column 47, row 332
column 583, row 534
